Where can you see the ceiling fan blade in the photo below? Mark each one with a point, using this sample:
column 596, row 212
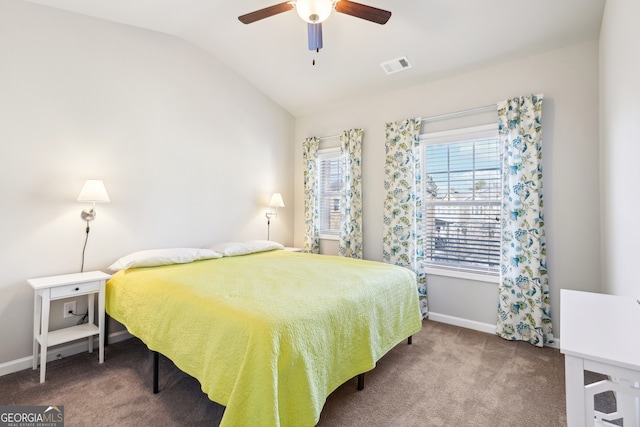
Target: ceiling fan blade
column 265, row 13
column 315, row 36
column 362, row 11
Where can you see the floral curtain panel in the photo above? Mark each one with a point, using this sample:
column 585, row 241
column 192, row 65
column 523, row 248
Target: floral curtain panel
column 402, row 238
column 310, row 177
column 524, row 308
column 350, row 244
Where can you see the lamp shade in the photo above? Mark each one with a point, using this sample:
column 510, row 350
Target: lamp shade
column 276, row 201
column 94, row 191
column 314, row 11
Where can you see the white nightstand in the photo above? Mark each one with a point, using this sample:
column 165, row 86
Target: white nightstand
column 59, row 287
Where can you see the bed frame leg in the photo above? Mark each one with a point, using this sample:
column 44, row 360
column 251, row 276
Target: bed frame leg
column 360, row 381
column 155, row 372
column 410, row 340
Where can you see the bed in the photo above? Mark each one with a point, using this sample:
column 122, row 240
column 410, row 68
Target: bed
column 271, row 334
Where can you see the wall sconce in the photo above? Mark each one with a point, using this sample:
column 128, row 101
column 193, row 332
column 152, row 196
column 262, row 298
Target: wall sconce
column 93, row 191
column 275, row 202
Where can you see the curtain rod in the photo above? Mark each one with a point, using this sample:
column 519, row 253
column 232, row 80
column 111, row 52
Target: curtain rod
column 470, row 110
column 444, row 116
column 458, row 113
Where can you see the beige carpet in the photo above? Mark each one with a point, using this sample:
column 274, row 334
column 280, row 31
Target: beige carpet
column 449, row 376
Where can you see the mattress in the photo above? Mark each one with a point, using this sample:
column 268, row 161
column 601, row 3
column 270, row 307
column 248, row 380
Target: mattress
column 269, row 335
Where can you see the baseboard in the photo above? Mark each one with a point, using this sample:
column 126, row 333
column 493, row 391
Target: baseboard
column 464, row 323
column 60, row 352
column 476, row 326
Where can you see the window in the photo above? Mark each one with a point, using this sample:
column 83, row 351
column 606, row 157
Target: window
column 462, row 199
column 330, row 185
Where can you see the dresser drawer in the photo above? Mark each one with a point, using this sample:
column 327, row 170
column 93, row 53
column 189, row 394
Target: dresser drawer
column 76, row 289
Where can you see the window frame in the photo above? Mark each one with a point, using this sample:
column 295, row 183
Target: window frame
column 488, row 131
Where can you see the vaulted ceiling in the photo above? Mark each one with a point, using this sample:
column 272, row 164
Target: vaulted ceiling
column 439, row 37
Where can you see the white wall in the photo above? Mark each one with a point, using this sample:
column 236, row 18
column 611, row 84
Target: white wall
column 189, row 152
column 568, row 78
column 620, row 145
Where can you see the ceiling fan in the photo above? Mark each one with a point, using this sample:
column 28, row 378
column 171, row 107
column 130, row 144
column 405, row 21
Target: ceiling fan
column 314, row 12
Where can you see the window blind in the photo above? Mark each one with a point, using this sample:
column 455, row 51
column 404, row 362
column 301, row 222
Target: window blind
column 331, row 182
column 462, row 202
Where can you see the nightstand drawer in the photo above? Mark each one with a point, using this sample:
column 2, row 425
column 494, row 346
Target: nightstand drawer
column 76, row 289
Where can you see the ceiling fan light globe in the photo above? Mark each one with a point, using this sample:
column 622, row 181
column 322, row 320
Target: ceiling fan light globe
column 314, row 11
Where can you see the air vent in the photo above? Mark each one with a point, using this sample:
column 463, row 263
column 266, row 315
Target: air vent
column 396, row 65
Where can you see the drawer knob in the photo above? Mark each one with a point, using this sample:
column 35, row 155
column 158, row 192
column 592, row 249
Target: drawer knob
column 77, row 289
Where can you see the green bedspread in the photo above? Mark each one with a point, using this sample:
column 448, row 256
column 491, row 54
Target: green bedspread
column 269, row 335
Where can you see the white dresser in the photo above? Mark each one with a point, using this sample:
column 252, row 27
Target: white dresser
column 600, row 333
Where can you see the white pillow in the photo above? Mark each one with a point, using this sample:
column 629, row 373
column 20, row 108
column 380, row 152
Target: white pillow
column 154, row 257
column 245, row 248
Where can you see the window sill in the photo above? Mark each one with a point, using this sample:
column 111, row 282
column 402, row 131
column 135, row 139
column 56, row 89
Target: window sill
column 329, row 237
column 478, row 277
